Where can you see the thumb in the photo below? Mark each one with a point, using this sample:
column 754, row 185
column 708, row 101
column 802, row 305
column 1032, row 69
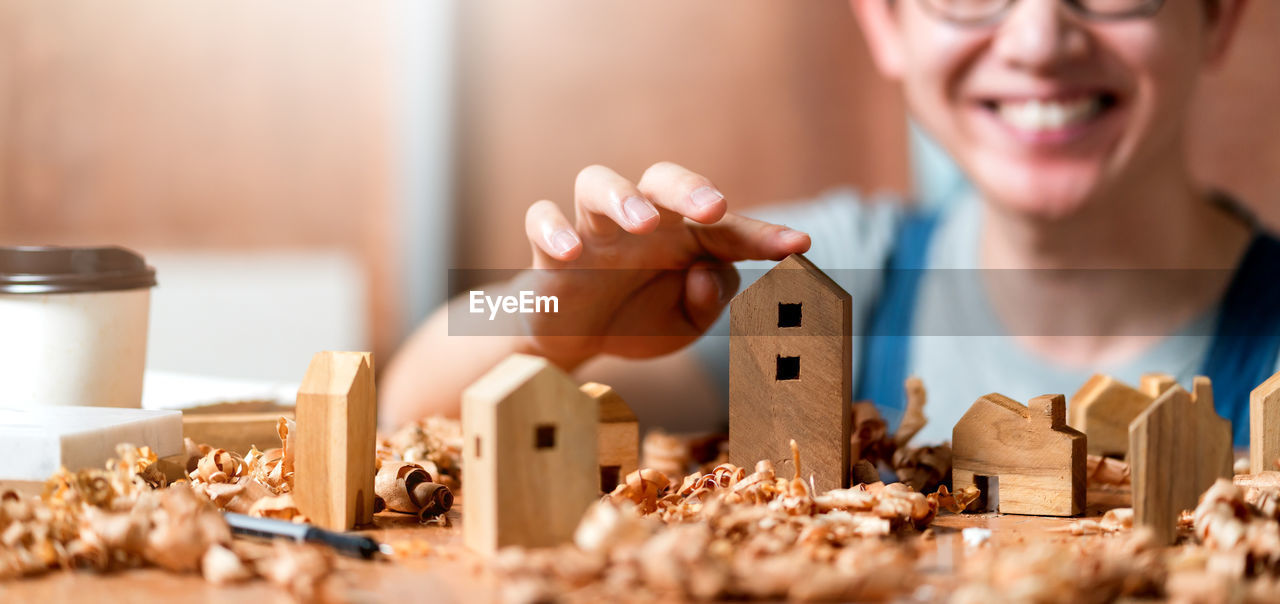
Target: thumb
column 709, row 286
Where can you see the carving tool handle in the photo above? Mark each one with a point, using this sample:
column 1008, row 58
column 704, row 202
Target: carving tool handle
column 351, row 545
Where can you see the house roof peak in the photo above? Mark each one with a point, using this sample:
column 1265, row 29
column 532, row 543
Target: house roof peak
column 512, row 373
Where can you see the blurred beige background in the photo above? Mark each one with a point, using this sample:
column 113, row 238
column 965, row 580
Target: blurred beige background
column 348, row 154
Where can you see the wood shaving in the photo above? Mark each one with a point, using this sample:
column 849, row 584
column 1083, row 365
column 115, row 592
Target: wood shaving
column 407, row 487
column 192, row 452
column 301, row 570
column 643, row 487
column 729, row 534
column 434, row 443
column 913, row 420
column 735, row 551
column 1112, row 521
column 1106, row 472
column 122, row 517
column 864, row 472
column 98, row 520
column 869, row 439
column 260, row 484
column 923, row 468
column 221, row 566
column 285, row 427
column 268, row 468
column 219, row 465
column 958, row 501
column 1241, row 526
column 666, row 454
column 279, row 507
column 1126, row 566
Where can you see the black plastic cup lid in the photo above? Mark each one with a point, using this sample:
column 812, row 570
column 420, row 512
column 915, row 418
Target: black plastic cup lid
column 66, row 270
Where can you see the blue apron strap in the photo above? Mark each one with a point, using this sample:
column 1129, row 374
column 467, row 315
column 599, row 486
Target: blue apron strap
column 1247, row 336
column 886, row 339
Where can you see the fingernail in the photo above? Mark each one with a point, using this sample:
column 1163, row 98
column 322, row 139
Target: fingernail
column 563, row 240
column 792, row 236
column 722, row 285
column 705, row 196
column 638, row 210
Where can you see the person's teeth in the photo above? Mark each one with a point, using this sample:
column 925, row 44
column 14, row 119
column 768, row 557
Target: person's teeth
column 1039, row 116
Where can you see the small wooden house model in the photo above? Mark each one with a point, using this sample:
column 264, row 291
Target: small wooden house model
column 1026, row 458
column 1104, row 407
column 790, row 371
column 1264, row 426
column 529, row 455
column 618, row 436
column 1178, row 447
column 337, row 415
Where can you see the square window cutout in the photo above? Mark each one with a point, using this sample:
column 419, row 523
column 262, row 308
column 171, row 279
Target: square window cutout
column 609, row 476
column 544, row 436
column 788, row 368
column 789, row 315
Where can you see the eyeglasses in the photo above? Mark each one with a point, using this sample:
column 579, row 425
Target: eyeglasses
column 986, row 12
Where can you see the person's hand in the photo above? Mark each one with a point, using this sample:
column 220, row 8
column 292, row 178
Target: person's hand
column 653, row 262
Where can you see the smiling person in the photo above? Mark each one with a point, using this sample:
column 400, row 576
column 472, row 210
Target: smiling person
column 1087, row 244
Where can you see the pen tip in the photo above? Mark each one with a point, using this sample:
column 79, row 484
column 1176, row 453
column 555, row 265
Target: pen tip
column 385, row 549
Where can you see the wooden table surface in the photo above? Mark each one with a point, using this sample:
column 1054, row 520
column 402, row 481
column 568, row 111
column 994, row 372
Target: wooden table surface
column 447, row 572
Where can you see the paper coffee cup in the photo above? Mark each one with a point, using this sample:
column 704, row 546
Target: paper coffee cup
column 73, row 326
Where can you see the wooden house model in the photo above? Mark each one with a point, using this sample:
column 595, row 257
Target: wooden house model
column 1264, row 426
column 618, row 436
column 529, row 455
column 1026, row 458
column 337, row 415
column 1178, row 447
column 790, row 372
column 1104, row 407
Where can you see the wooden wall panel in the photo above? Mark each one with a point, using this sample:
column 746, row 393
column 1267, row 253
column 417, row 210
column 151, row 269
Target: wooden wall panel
column 771, row 100
column 202, row 125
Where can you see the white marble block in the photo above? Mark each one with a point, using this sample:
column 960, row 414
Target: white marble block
column 34, row 442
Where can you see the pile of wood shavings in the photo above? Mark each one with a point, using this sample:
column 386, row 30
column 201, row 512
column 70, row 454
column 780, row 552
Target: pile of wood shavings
column 726, row 534
column 1241, row 527
column 124, row 517
column 1096, row 570
column 259, row 484
column 435, row 443
column 922, row 468
column 736, row 551
column 130, row 515
column 1235, row 558
column 872, row 446
column 892, row 506
column 1106, row 472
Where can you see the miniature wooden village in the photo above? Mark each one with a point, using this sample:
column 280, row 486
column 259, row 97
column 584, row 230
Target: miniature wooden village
column 555, row 486
column 790, row 374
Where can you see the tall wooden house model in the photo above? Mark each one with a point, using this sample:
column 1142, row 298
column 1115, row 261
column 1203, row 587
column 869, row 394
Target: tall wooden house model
column 337, row 415
column 790, row 372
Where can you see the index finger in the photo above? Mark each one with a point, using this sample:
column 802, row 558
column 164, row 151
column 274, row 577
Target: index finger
column 684, row 192
column 736, row 237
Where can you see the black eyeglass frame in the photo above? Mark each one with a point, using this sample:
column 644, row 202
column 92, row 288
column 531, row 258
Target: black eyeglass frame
column 1147, row 8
